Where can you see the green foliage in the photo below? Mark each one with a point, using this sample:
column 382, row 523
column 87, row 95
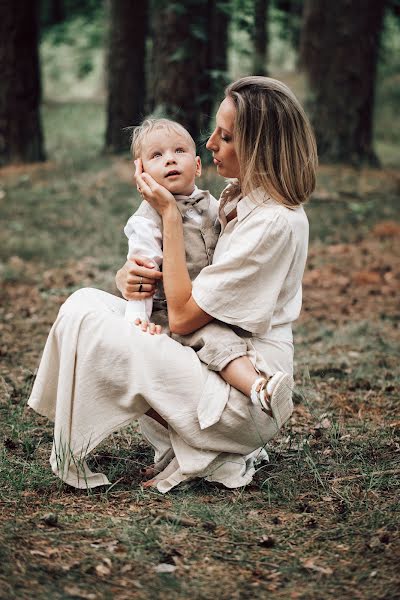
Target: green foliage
column 387, row 96
column 287, row 17
column 72, row 56
column 69, row 10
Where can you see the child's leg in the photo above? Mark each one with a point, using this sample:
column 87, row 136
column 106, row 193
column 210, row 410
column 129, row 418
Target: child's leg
column 216, row 344
column 222, row 350
column 273, row 394
column 240, row 374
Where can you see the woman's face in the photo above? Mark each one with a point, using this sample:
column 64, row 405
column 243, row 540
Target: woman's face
column 221, row 142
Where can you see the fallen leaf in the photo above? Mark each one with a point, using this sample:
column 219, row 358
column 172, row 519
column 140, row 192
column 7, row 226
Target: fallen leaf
column 104, row 568
column 386, row 229
column 164, row 568
column 47, row 553
column 74, row 590
column 309, row 564
column 366, row 278
column 126, row 569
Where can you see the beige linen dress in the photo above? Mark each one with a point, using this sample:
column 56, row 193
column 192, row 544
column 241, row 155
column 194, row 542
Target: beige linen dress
column 97, row 375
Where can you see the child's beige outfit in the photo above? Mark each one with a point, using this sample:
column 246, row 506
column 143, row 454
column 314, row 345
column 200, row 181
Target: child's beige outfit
column 216, row 343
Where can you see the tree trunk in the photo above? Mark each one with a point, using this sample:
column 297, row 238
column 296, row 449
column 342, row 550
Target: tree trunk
column 339, row 51
column 182, row 86
column 260, row 37
column 57, row 11
column 291, row 18
column 218, row 46
column 21, row 138
column 126, row 71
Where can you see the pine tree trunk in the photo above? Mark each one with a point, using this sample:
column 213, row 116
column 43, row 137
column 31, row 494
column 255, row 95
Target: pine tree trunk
column 260, row 37
column 57, row 11
column 339, row 51
column 181, row 82
column 21, row 137
column 218, row 46
column 125, row 71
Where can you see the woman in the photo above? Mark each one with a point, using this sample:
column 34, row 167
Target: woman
column 97, row 375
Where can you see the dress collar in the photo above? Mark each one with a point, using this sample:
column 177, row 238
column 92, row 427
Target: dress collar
column 248, row 203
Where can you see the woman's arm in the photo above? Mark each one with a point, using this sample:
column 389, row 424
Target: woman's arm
column 184, row 314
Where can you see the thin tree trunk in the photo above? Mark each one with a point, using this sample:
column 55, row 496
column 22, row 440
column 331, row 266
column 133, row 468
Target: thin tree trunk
column 339, row 52
column 216, row 68
column 57, row 11
column 21, row 137
column 260, row 37
column 181, row 86
column 126, row 71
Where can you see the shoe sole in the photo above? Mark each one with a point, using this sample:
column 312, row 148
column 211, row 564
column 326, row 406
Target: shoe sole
column 281, row 399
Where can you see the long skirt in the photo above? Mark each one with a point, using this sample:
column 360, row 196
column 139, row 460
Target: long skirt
column 98, row 373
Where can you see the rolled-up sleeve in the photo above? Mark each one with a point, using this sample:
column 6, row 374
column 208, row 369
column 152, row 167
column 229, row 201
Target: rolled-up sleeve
column 243, row 284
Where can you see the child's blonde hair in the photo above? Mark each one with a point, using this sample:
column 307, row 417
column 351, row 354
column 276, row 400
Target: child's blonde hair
column 140, row 133
column 274, row 140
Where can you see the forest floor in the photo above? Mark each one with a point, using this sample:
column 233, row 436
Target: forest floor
column 320, row 520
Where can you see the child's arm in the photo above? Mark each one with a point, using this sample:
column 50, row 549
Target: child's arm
column 145, row 239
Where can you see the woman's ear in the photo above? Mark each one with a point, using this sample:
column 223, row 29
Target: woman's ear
column 198, row 166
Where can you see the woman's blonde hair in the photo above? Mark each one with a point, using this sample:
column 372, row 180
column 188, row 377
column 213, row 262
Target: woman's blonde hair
column 274, row 140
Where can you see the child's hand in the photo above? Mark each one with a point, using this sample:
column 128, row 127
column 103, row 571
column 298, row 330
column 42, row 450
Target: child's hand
column 151, row 328
column 156, row 195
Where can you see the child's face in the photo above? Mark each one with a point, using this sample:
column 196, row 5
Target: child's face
column 169, row 157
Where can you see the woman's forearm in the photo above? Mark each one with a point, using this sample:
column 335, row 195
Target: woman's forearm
column 184, row 315
column 177, row 283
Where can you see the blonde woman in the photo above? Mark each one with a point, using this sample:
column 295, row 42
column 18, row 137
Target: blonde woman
column 96, row 376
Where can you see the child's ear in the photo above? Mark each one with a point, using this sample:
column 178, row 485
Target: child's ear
column 198, row 166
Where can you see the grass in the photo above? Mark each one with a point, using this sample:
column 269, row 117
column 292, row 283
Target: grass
column 320, row 519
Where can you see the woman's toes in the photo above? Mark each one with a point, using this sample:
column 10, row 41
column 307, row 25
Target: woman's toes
column 149, row 483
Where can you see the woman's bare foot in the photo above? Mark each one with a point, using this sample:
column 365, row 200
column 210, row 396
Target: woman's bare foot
column 149, row 483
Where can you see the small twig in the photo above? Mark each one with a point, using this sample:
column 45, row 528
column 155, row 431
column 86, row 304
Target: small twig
column 222, row 541
column 71, row 531
column 113, row 484
column 361, row 475
column 244, row 561
column 168, row 516
column 232, row 560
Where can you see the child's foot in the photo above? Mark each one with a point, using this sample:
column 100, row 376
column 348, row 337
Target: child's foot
column 275, row 396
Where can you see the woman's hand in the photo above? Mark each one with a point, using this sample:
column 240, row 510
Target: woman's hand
column 156, row 195
column 138, row 273
column 151, row 328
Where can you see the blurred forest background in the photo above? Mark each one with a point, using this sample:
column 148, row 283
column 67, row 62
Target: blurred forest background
column 320, row 520
column 127, row 59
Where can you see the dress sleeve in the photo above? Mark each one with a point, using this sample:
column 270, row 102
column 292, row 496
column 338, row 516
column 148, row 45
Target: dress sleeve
column 243, row 284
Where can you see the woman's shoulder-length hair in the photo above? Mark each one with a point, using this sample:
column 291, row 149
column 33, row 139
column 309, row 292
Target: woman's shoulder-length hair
column 274, row 140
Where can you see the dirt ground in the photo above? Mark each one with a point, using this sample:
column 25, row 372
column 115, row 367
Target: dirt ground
column 320, row 520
